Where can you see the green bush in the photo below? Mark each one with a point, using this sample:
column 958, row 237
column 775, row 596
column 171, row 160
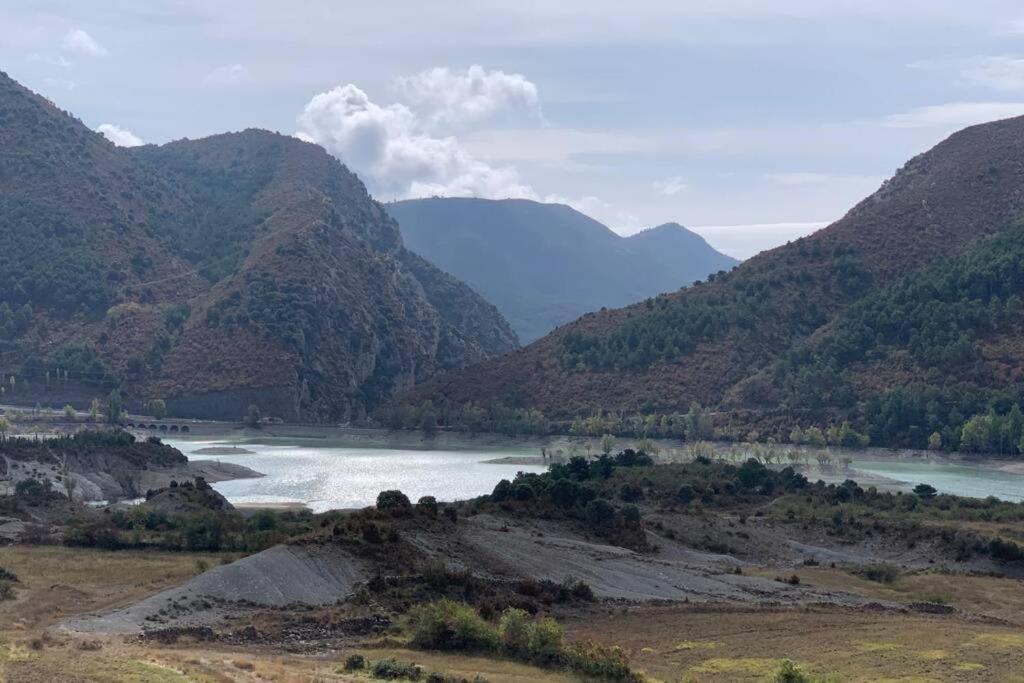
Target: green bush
column 448, row 625
column 391, row 669
column 394, row 502
column 881, row 572
column 428, row 506
column 592, row 660
column 515, row 628
column 546, row 638
column 355, row 662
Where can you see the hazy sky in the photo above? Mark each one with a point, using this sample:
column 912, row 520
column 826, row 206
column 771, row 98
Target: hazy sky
column 751, row 121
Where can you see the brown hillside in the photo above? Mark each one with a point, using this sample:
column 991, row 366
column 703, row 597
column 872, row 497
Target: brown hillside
column 242, row 268
column 698, row 344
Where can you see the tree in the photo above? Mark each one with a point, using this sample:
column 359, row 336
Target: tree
column 393, row 501
column 813, row 436
column 67, row 479
column 428, row 417
column 113, row 408
column 699, row 426
column 796, row 436
column 69, row 412
column 94, row 410
column 935, row 442
column 5, row 427
column 253, row 417
column 158, row 407
column 925, row 491
column 607, row 444
column 1014, row 427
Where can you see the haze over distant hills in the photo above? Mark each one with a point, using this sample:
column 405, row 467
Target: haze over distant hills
column 905, row 317
column 543, row 265
column 244, row 268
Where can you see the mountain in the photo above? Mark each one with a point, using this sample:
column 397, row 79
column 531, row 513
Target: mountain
column 904, row 317
column 543, row 265
column 244, row 268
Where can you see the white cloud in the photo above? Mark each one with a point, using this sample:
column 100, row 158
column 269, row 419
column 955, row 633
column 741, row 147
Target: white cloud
column 670, row 186
column 229, row 74
column 457, row 97
column 996, row 72
column 797, row 178
column 954, row 115
column 119, row 136
column 77, row 40
column 390, row 149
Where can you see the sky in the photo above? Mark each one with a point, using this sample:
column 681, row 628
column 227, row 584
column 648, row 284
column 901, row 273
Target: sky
column 752, row 122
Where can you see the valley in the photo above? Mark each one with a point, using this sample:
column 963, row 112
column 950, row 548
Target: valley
column 400, row 386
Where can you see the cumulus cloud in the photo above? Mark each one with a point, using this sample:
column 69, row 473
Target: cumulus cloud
column 119, row 136
column 77, row 40
column 389, row 147
column 229, row 74
column 397, row 151
column 670, row 186
column 954, row 115
column 447, row 96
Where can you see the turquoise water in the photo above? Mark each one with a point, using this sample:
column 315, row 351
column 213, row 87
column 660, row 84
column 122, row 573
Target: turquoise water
column 956, row 478
column 325, row 476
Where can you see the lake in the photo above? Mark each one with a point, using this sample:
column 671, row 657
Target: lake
column 325, row 475
column 949, row 477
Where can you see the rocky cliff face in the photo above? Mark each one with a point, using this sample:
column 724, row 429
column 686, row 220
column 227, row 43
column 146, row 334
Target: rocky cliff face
column 247, row 268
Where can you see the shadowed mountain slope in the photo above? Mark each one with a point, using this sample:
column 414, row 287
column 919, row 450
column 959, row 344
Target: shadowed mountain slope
column 244, row 268
column 543, row 265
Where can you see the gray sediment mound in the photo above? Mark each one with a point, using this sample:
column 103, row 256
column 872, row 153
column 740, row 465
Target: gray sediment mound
column 280, row 576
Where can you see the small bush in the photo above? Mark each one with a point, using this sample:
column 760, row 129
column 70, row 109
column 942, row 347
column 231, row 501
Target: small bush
column 391, row 669
column 591, row 660
column 6, row 591
column 789, row 672
column 880, row 572
column 448, row 625
column 393, row 501
column 7, row 575
column 428, row 506
column 355, row 662
column 546, row 639
column 515, row 627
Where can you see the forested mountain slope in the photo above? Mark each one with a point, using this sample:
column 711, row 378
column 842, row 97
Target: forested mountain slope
column 242, row 268
column 832, row 326
column 543, row 265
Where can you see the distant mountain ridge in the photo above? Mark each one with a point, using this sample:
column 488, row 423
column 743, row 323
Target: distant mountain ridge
column 904, row 317
column 544, row 265
column 243, row 268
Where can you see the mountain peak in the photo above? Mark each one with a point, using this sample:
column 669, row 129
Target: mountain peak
column 547, row 264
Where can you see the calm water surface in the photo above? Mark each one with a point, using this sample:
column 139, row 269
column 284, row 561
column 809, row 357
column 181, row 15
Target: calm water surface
column 326, row 476
column 956, row 478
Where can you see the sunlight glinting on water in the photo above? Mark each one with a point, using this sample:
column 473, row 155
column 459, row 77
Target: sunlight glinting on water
column 326, row 477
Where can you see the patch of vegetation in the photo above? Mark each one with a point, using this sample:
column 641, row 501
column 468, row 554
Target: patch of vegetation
column 879, row 572
column 448, row 625
column 145, row 527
